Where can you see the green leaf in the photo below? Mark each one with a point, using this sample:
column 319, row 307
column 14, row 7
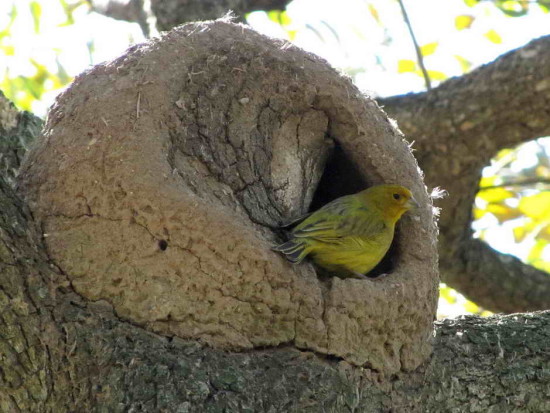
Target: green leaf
column 406, row 65
column 536, row 252
column 428, row 48
column 503, row 212
column 471, row 3
column 465, row 64
column 495, row 195
column 8, row 50
column 62, row 75
column 536, row 206
column 513, row 8
column 374, row 13
column 274, row 16
column 13, row 16
column 464, row 21
column 36, row 12
column 280, row 17
column 69, row 8
column 437, row 75
column 471, row 307
column 493, row 36
column 545, row 234
column 447, row 293
column 284, row 19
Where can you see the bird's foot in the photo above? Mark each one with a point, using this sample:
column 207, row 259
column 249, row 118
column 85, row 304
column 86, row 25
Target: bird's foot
column 379, row 277
column 361, row 276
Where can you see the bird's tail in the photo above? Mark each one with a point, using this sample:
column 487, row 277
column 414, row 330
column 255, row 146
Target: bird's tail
column 295, row 250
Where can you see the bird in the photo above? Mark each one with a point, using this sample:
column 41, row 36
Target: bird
column 349, row 236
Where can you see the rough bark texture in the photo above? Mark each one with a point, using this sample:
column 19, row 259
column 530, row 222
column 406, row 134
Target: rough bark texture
column 17, row 130
column 160, row 193
column 128, row 10
column 457, row 128
column 170, row 13
column 60, row 353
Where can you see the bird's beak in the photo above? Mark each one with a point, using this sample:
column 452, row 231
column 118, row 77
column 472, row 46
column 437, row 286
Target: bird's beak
column 412, row 204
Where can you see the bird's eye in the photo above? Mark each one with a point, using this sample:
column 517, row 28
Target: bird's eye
column 396, row 196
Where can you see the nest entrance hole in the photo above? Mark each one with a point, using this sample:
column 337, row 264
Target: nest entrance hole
column 341, row 177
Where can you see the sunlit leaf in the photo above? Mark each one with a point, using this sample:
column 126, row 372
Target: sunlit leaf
column 284, row 19
column 7, row 30
column 464, row 63
column 36, row 12
column 464, row 21
column 437, row 75
column 495, row 195
column 64, row 78
column 486, row 181
column 374, row 13
column 273, row 15
column 428, row 48
column 536, row 251
column 406, row 65
column 69, row 9
column 544, row 234
column 471, row 307
column 513, row 8
column 8, row 50
column 536, row 206
column 479, row 213
column 471, row 3
column 280, row 17
column 544, row 7
column 447, row 293
column 493, row 36
column 520, row 232
column 503, row 212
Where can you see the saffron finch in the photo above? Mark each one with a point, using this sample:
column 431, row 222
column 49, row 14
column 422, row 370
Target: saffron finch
column 350, row 235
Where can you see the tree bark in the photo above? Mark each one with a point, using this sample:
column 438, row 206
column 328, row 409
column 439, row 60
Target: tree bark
column 62, row 353
column 127, row 10
column 463, row 124
column 164, row 194
column 456, row 129
column 171, row 13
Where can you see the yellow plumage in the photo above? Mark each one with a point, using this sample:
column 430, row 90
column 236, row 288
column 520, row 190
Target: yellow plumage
column 350, row 235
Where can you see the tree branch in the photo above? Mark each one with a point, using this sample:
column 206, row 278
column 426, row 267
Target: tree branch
column 17, row 131
column 416, row 47
column 457, row 128
column 127, row 10
column 170, row 13
column 523, row 182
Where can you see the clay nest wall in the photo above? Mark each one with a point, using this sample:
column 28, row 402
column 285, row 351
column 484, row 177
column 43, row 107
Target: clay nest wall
column 162, row 178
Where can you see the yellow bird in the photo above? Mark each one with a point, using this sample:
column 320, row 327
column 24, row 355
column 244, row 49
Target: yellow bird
column 350, row 235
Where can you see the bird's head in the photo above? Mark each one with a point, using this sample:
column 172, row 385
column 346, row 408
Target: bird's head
column 392, row 200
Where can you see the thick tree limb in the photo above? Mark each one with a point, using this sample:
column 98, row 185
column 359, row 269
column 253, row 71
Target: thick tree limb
column 171, row 13
column 62, row 353
column 127, row 10
column 17, row 130
column 457, row 128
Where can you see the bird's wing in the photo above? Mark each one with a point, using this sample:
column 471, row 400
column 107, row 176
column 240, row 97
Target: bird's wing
column 295, row 221
column 342, row 218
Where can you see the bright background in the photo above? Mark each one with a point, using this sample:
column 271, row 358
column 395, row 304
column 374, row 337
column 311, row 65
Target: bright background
column 45, row 43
